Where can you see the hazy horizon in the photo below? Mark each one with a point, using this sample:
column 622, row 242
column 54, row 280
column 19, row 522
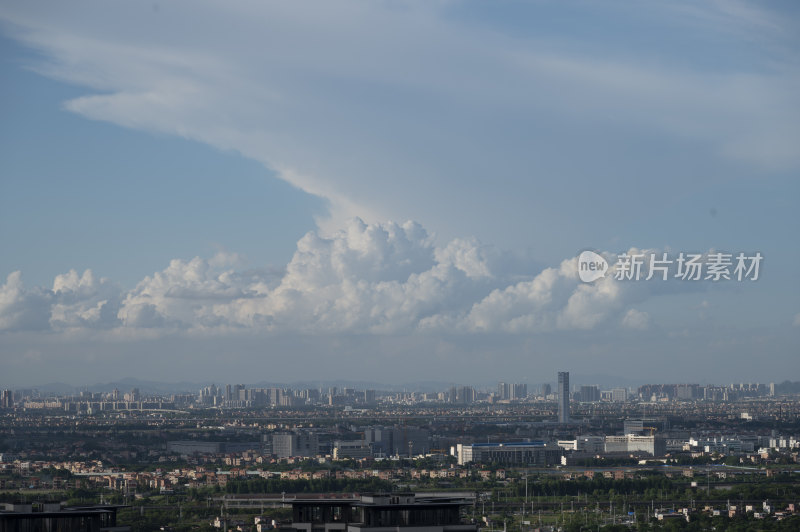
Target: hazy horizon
column 604, row 382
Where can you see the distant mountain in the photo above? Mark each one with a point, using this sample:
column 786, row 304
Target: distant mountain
column 57, row 388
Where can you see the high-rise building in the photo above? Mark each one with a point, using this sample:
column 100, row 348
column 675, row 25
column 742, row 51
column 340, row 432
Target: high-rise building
column 619, row 395
column 133, row 396
column 6, row 399
column 519, row 392
column 590, row 394
column 238, row 393
column 508, row 391
column 465, row 395
column 563, row 396
column 369, row 397
column 503, row 391
column 274, row 396
column 688, row 391
column 546, row 389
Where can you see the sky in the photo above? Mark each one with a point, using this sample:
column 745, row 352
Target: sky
column 395, row 191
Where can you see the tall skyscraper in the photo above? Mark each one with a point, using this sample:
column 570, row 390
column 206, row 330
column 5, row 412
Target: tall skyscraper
column 563, row 396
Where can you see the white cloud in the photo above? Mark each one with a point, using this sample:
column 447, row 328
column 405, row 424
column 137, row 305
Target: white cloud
column 183, row 294
column 295, row 89
column 83, row 301
column 22, row 309
column 555, row 299
column 79, row 301
column 365, row 278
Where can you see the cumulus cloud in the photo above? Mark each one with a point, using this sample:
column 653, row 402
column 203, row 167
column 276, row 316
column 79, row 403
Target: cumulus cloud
column 22, row 309
column 181, row 294
column 555, row 299
column 365, row 278
column 83, row 301
column 74, row 301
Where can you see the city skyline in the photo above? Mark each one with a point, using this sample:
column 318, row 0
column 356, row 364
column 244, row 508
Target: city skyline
column 584, row 390
column 382, row 192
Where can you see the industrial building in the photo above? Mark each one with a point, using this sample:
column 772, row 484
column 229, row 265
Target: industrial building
column 299, row 443
column 351, row 449
column 631, row 443
column 50, row 517
column 395, row 512
column 533, row 453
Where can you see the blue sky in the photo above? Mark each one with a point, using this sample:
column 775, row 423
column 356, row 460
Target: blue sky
column 80, row 194
column 241, row 179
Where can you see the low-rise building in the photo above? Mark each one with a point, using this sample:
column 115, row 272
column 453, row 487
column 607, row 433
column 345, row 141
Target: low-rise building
column 390, row 512
column 631, row 443
column 536, row 453
column 351, row 449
